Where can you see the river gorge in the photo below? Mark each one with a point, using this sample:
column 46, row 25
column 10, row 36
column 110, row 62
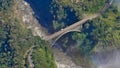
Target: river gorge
column 102, row 59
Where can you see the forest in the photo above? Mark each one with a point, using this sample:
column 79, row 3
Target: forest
column 16, row 39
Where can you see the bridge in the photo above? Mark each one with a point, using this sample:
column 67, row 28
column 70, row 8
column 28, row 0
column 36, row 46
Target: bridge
column 64, row 34
column 74, row 27
column 70, row 28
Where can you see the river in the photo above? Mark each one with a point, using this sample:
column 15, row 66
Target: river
column 42, row 11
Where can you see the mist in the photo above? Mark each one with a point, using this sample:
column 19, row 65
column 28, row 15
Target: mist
column 117, row 3
column 107, row 59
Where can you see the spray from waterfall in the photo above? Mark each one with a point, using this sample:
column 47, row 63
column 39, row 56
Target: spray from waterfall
column 117, row 4
column 107, row 59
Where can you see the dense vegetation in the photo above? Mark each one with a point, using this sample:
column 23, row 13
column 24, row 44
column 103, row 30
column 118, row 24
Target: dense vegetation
column 42, row 55
column 5, row 4
column 16, row 39
column 57, row 14
column 103, row 33
column 67, row 12
column 91, row 6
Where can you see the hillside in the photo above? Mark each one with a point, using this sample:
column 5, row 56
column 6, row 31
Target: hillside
column 16, row 39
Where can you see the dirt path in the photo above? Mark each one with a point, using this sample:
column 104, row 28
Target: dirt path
column 28, row 54
column 30, row 58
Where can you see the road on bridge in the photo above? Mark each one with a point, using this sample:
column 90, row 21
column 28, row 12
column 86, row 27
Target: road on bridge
column 77, row 24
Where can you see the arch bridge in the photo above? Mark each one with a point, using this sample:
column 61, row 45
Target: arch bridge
column 53, row 43
column 74, row 27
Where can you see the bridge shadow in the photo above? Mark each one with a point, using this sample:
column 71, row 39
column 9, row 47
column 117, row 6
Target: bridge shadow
column 68, row 46
column 64, row 42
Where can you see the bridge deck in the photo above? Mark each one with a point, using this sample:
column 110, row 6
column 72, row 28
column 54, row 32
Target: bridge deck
column 47, row 38
column 77, row 24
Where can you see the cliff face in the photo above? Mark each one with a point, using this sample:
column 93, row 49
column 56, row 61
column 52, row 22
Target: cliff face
column 29, row 19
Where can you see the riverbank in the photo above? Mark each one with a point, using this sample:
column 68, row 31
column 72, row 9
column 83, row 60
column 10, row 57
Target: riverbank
column 29, row 20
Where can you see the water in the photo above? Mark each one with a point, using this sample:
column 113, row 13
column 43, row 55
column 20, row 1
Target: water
column 42, row 10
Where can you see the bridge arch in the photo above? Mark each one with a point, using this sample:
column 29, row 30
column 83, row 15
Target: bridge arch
column 63, row 35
